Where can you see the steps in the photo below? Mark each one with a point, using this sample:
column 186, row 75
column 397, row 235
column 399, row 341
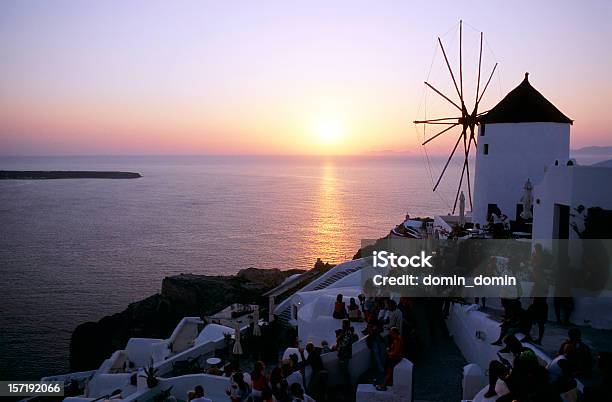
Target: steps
column 335, row 278
column 285, row 316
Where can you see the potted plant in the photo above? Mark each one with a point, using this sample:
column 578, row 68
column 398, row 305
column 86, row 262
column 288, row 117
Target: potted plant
column 150, row 373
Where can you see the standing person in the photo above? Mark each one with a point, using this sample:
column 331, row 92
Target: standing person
column 538, row 310
column 497, row 224
column 505, row 224
column 361, row 297
column 381, row 306
column 280, row 389
column 344, row 346
column 318, row 379
column 394, row 356
column 314, row 358
column 239, row 390
column 291, row 374
column 395, row 315
column 538, row 314
column 376, row 343
column 259, row 382
column 563, row 307
column 563, row 301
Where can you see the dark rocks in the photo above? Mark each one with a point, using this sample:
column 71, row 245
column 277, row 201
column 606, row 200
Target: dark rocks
column 64, row 174
column 157, row 315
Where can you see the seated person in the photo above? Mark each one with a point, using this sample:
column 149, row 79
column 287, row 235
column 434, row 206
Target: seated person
column 354, row 312
column 354, row 336
column 297, row 392
column 501, row 369
column 581, row 359
column 561, row 370
column 339, row 308
column 325, row 347
column 214, row 371
column 600, row 390
column 527, row 380
column 517, row 321
column 362, row 299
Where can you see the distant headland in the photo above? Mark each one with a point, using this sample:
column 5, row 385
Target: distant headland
column 64, row 174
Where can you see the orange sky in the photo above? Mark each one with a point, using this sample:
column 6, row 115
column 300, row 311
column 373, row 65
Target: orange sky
column 278, row 78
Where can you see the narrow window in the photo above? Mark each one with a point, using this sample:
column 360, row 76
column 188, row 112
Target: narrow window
column 482, row 130
column 486, row 149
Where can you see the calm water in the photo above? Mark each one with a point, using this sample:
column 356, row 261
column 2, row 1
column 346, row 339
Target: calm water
column 77, row 250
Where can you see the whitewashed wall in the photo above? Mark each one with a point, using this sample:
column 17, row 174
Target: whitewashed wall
column 517, row 152
column 569, row 185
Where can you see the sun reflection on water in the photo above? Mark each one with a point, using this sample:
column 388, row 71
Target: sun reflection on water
column 327, row 232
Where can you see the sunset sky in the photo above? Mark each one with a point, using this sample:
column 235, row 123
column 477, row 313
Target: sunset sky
column 286, row 77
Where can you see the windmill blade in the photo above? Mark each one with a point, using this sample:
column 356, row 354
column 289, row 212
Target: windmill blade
column 442, row 95
column 439, row 122
column 440, row 119
column 479, row 64
column 487, row 84
column 447, row 162
column 449, row 67
column 440, row 133
column 460, row 60
column 475, row 143
column 467, row 165
column 465, row 161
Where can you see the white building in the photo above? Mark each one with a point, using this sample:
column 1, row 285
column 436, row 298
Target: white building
column 564, row 197
column 517, row 139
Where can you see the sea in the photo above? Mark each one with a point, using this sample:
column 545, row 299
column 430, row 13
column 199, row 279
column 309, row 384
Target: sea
column 73, row 251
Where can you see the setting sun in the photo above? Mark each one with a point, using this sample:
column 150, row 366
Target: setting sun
column 329, row 131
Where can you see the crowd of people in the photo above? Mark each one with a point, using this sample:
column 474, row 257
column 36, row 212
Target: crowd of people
column 523, row 377
column 284, row 383
column 403, row 328
column 391, row 328
column 387, row 324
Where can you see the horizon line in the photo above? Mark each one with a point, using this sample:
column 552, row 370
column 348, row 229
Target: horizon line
column 387, row 153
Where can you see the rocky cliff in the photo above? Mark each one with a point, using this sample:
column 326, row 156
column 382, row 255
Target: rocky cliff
column 157, row 315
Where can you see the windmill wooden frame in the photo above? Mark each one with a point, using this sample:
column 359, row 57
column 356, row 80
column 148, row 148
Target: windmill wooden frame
column 467, row 120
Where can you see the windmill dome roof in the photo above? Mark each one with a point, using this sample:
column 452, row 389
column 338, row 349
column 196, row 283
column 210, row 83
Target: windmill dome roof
column 524, row 104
